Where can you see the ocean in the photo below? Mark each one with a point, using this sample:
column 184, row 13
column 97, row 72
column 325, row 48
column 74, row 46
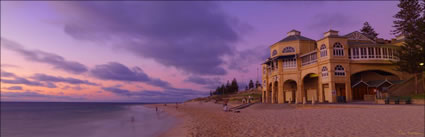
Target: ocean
column 54, row 119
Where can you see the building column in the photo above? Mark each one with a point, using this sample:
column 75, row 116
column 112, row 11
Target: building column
column 348, row 91
column 299, row 94
column 280, row 93
column 273, row 94
column 333, row 91
column 320, row 89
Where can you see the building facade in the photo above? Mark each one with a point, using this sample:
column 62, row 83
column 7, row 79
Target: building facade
column 333, row 69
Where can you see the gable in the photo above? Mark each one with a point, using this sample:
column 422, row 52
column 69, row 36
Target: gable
column 357, row 36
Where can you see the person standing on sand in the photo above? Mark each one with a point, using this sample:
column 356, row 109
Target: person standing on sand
column 225, row 107
column 156, row 109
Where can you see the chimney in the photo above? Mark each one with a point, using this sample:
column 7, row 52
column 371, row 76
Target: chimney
column 331, row 33
column 294, row 33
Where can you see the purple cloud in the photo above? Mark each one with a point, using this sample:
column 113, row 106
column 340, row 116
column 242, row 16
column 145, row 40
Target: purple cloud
column 170, row 94
column 190, row 36
column 58, row 62
column 244, row 58
column 120, row 72
column 14, row 88
column 33, row 94
column 209, row 83
column 324, row 21
column 20, row 80
column 7, row 74
column 69, row 80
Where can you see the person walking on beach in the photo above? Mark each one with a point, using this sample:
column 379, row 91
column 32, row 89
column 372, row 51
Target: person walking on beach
column 225, row 109
column 156, row 109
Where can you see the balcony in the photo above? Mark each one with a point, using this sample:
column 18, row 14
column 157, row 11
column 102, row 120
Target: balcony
column 372, row 53
column 309, row 58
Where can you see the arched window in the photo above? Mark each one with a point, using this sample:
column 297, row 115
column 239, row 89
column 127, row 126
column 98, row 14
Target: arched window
column 338, row 49
column 288, row 49
column 339, row 70
column 323, row 52
column 274, row 52
column 324, row 71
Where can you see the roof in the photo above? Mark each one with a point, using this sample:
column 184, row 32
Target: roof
column 355, row 42
column 280, row 57
column 295, row 37
column 376, row 83
column 373, row 45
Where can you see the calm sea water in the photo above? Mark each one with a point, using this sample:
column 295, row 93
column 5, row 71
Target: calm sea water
column 37, row 119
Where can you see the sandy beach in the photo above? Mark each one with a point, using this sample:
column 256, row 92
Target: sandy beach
column 198, row 119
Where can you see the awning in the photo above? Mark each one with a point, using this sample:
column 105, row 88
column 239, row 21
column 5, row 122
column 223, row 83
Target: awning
column 280, row 57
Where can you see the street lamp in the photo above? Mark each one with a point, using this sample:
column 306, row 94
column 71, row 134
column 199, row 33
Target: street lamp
column 421, row 64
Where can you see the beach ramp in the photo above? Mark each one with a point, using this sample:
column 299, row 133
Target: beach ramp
column 242, row 106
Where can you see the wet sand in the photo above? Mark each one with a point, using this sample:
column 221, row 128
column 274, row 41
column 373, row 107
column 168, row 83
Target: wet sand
column 275, row 120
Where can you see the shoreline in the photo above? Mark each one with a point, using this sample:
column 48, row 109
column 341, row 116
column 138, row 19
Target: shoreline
column 179, row 126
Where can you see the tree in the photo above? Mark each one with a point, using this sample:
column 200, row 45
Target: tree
column 251, row 84
column 222, row 89
column 368, row 31
column 234, row 85
column 410, row 24
column 257, row 84
column 227, row 88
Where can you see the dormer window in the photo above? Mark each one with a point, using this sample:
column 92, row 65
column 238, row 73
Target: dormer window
column 288, row 50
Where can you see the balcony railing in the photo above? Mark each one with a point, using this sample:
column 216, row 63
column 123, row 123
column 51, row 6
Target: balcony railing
column 372, row 53
column 309, row 58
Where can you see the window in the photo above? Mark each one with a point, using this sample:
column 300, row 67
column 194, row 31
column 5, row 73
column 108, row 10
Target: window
column 338, row 49
column 275, row 64
column 378, row 52
column 339, row 70
column 371, row 52
column 289, row 63
column 385, row 53
column 356, row 54
column 392, row 53
column 323, row 51
column 288, row 50
column 363, row 53
column 274, row 53
column 264, row 70
column 324, row 71
column 349, row 53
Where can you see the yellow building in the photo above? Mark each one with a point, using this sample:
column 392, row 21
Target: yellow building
column 333, row 69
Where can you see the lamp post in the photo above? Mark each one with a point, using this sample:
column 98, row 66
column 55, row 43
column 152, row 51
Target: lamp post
column 423, row 75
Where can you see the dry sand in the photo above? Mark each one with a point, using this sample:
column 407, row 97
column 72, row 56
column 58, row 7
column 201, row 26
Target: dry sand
column 276, row 120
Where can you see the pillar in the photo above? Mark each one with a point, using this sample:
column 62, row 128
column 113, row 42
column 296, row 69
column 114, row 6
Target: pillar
column 348, row 92
column 333, row 91
column 298, row 95
column 321, row 96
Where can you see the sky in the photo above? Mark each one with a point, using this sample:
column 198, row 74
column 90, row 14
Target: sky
column 144, row 51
